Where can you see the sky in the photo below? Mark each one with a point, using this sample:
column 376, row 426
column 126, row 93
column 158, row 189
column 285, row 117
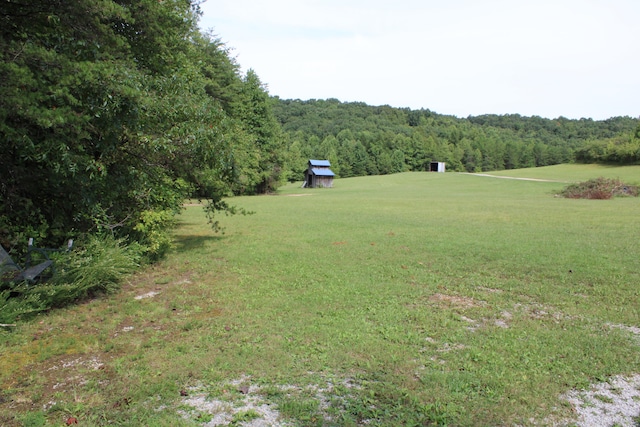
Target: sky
column 548, row 58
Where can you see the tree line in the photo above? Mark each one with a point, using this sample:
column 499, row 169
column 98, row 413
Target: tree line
column 360, row 139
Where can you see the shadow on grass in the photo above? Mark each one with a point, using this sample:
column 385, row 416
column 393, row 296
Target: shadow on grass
column 187, row 242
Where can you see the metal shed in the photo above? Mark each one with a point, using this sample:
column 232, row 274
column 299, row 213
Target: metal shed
column 319, row 174
column 436, row 167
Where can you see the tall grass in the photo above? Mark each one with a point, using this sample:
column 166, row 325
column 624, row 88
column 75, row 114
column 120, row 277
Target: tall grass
column 416, row 298
column 97, row 267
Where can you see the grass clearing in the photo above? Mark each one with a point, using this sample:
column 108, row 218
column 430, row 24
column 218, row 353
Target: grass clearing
column 406, row 299
column 575, row 173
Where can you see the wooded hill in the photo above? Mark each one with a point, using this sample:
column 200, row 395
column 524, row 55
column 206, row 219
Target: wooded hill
column 360, row 139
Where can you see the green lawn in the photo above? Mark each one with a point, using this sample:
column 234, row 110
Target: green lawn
column 406, row 299
column 575, row 173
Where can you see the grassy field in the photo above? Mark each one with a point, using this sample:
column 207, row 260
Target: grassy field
column 408, row 299
column 575, row 173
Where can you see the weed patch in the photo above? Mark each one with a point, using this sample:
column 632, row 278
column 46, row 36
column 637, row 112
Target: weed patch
column 96, row 268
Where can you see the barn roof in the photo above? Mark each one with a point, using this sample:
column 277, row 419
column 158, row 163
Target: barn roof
column 322, row 172
column 320, row 163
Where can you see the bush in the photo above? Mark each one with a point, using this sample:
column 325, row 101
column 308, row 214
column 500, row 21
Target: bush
column 99, row 266
column 153, row 232
column 13, row 307
column 96, row 268
column 599, row 188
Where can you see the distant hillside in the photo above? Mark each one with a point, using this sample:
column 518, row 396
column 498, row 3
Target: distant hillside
column 360, row 139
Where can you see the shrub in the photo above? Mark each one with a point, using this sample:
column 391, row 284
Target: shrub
column 12, row 307
column 599, row 188
column 153, row 232
column 96, row 267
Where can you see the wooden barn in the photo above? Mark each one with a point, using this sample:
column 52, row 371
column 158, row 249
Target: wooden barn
column 319, row 174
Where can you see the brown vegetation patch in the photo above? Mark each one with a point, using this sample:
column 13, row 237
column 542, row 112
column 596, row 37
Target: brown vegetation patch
column 446, row 347
column 57, row 378
column 599, row 188
column 540, row 312
column 455, row 301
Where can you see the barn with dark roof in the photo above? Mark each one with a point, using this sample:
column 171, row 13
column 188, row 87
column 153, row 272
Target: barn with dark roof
column 319, row 174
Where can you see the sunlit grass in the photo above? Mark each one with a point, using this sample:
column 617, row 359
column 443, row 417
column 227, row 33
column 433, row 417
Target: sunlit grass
column 452, row 298
column 575, row 172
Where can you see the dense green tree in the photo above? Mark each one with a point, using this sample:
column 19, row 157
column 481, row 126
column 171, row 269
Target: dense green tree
column 220, row 71
column 397, row 161
column 613, row 150
column 112, row 112
column 266, row 146
column 359, row 160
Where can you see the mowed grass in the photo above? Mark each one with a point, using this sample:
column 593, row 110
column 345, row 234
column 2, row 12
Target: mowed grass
column 406, row 299
column 576, row 173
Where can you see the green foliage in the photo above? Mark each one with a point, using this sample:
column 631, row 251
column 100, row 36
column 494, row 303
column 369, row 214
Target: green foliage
column 599, row 188
column 113, row 112
column 13, row 308
column 622, row 151
column 369, row 140
column 261, row 151
column 97, row 267
column 153, row 228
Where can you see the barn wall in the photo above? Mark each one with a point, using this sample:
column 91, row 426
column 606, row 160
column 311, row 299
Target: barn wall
column 323, row 181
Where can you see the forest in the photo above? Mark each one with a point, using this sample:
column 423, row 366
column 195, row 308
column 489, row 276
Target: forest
column 113, row 112
column 360, row 139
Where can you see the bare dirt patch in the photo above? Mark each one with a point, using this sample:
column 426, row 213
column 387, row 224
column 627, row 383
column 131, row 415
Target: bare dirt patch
column 150, row 294
column 455, row 301
column 240, row 397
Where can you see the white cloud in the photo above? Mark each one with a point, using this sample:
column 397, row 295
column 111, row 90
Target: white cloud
column 549, row 58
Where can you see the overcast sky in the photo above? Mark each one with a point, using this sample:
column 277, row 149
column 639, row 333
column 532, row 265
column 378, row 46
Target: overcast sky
column 551, row 58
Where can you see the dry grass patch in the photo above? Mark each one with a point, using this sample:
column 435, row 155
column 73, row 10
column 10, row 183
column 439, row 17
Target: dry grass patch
column 455, row 301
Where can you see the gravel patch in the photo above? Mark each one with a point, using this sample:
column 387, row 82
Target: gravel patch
column 613, row 403
column 222, row 412
column 239, row 397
